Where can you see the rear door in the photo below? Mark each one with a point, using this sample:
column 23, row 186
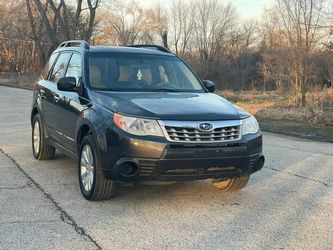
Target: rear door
column 44, row 86
column 52, row 113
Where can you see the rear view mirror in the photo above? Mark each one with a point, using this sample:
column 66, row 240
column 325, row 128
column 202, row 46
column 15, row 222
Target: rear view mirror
column 209, row 85
column 67, row 84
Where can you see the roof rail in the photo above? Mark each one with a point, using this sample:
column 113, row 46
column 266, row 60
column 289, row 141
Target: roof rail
column 75, row 43
column 154, row 47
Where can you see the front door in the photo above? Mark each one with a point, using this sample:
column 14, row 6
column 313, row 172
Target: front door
column 69, row 106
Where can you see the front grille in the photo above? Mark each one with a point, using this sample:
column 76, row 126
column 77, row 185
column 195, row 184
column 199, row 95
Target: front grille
column 198, row 171
column 185, row 134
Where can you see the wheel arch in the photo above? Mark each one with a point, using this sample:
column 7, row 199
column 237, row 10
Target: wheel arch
column 34, row 112
column 90, row 124
column 84, row 129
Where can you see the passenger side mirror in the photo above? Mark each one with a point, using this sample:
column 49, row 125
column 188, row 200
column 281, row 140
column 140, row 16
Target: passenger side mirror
column 67, row 84
column 209, row 85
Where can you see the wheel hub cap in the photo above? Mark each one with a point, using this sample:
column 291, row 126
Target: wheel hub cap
column 87, row 168
column 36, row 137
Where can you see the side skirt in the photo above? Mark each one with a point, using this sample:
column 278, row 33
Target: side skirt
column 61, row 148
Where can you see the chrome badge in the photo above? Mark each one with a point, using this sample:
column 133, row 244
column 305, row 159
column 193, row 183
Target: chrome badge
column 206, row 126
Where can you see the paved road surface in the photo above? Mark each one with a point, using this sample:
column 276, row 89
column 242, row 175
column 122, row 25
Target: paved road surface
column 287, row 205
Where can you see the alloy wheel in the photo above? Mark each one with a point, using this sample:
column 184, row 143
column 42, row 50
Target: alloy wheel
column 36, row 137
column 222, row 184
column 87, row 168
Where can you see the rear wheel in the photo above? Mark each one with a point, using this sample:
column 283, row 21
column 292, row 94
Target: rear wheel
column 93, row 184
column 40, row 149
column 233, row 184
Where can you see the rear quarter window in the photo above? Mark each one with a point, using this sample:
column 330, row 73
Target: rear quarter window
column 48, row 65
column 59, row 68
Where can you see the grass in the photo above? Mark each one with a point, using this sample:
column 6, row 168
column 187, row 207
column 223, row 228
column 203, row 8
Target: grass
column 299, row 129
column 278, row 113
column 275, row 112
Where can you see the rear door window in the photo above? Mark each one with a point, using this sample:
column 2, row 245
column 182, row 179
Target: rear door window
column 59, row 68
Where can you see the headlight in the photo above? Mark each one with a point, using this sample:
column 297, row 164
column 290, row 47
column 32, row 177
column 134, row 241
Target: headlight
column 249, row 125
column 137, row 126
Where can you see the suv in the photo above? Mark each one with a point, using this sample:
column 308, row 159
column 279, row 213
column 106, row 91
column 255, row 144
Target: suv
column 139, row 113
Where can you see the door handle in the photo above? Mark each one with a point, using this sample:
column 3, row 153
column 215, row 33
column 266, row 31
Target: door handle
column 41, row 94
column 56, row 98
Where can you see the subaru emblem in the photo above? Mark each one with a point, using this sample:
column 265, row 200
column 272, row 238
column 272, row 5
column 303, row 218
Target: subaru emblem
column 206, row 126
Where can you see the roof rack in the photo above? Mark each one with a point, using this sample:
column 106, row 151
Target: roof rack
column 154, row 47
column 75, row 43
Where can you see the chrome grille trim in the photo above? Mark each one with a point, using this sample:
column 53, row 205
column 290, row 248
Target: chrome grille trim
column 190, row 132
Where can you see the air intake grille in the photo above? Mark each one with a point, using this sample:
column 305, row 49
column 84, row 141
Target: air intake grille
column 185, row 134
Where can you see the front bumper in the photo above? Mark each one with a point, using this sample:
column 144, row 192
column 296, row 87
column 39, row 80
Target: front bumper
column 163, row 160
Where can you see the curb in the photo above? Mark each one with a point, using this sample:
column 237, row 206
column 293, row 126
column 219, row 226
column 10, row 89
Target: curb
column 297, row 135
column 16, row 86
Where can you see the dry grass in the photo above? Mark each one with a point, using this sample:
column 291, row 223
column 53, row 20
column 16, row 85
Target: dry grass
column 275, row 106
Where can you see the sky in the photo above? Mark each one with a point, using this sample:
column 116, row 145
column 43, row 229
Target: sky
column 251, row 8
column 244, row 8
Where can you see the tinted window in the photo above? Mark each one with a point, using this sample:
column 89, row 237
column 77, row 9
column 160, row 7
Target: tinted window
column 59, row 67
column 74, row 67
column 140, row 72
column 48, row 65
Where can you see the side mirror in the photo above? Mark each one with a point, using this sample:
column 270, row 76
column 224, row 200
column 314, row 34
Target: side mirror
column 67, row 84
column 209, row 85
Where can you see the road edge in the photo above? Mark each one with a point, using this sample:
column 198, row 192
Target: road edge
column 287, row 133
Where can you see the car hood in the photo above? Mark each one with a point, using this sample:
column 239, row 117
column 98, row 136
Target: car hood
column 168, row 105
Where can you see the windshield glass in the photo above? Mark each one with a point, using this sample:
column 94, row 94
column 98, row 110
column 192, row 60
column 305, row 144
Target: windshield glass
column 140, row 72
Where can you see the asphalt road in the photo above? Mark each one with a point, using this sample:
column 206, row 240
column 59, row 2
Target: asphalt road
column 287, row 205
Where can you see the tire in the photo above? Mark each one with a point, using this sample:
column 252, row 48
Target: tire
column 231, row 185
column 99, row 188
column 40, row 149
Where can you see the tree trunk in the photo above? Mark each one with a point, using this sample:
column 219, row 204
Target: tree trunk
column 165, row 39
column 303, row 92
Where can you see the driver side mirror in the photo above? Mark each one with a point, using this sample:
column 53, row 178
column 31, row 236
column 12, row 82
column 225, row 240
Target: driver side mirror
column 67, row 84
column 209, row 85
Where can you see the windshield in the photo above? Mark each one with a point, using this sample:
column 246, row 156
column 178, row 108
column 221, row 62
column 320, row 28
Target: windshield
column 139, row 72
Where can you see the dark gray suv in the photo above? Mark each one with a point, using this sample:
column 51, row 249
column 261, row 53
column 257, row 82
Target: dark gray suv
column 139, row 113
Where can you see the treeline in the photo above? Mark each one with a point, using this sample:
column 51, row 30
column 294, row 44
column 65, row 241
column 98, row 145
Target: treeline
column 288, row 49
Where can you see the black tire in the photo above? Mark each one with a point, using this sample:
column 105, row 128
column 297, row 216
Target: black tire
column 101, row 188
column 44, row 151
column 231, row 185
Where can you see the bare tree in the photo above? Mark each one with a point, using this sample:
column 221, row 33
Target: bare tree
column 213, row 20
column 54, row 21
column 300, row 23
column 240, row 55
column 158, row 23
column 272, row 65
column 291, row 50
column 130, row 23
column 182, row 24
column 16, row 49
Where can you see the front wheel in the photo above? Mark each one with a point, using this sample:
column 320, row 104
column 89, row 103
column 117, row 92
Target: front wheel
column 94, row 186
column 233, row 184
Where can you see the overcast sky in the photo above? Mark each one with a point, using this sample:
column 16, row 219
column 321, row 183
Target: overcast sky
column 251, row 8
column 245, row 8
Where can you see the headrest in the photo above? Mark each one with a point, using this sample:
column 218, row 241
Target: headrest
column 95, row 76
